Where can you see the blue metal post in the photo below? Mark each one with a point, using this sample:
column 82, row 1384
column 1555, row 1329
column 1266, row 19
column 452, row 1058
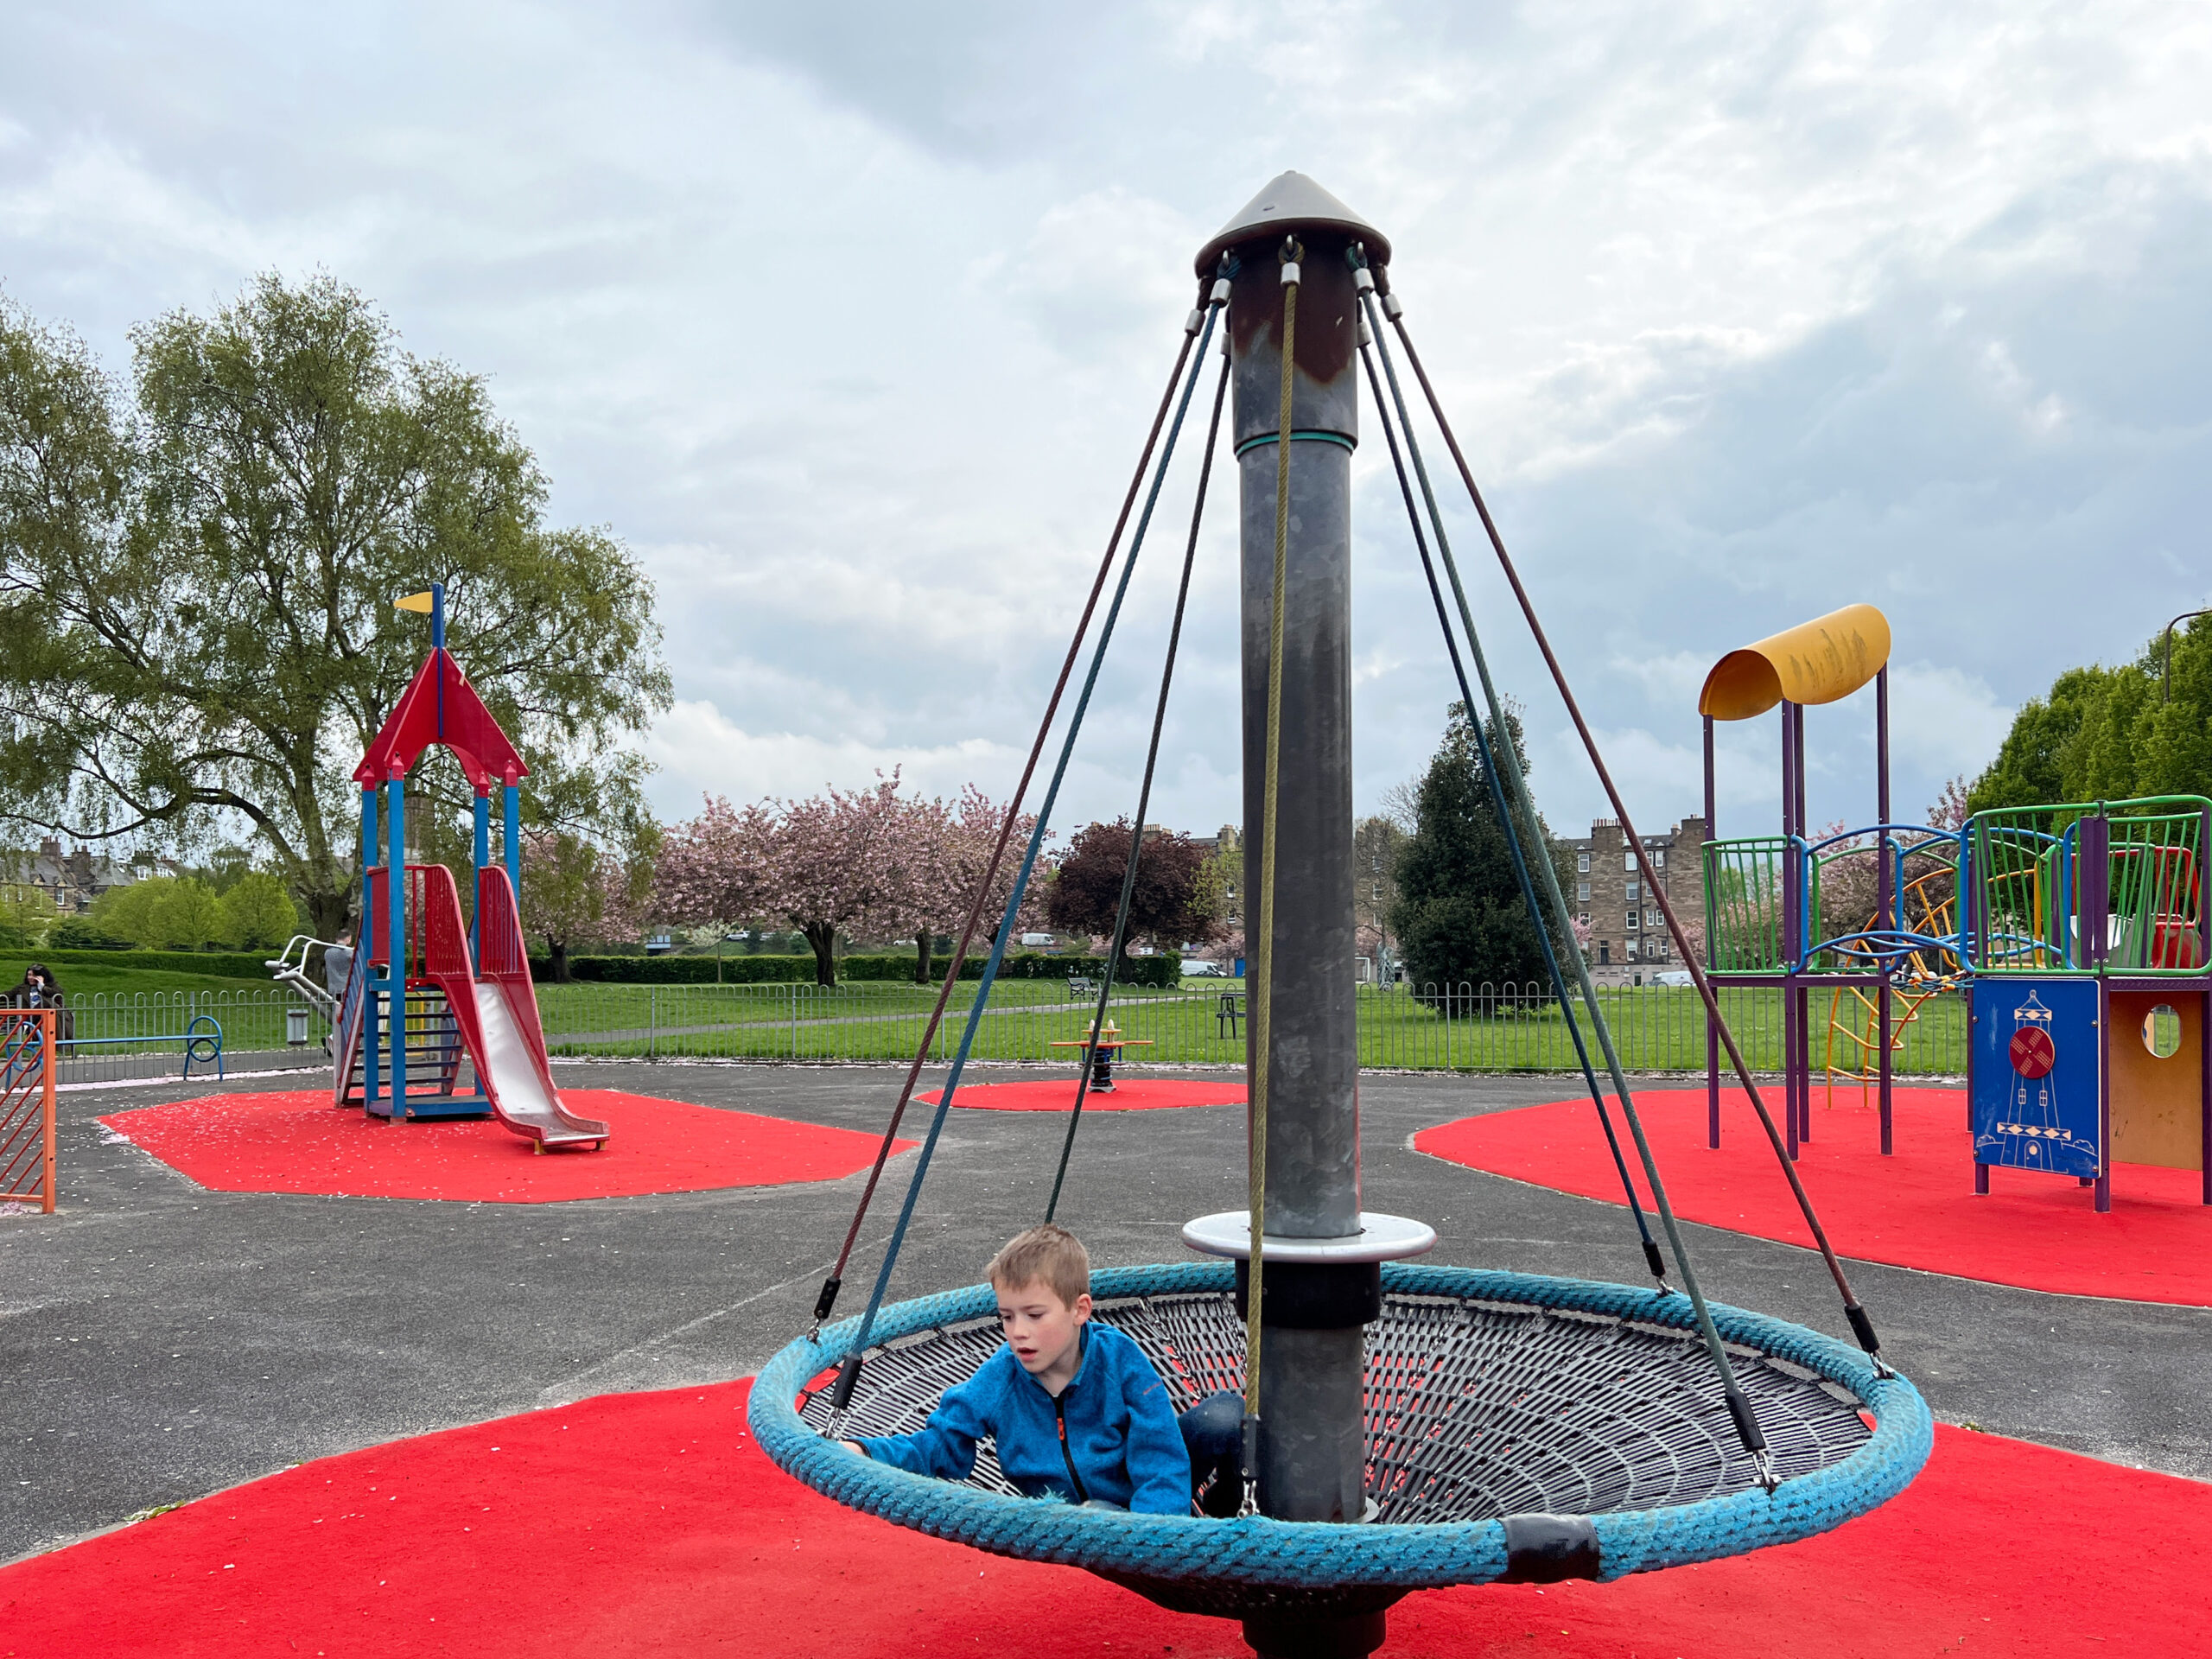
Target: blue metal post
column 395, row 894
column 372, row 1062
column 510, row 841
column 438, row 644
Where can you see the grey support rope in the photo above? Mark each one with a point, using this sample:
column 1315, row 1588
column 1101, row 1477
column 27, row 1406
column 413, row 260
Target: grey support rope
column 1739, row 1408
column 848, row 1372
column 828, row 1298
column 1653, row 1260
column 1862, row 1327
column 1144, row 793
column 1263, row 944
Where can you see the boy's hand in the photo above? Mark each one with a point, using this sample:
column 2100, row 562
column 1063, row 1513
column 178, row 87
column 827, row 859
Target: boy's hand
column 854, row 1446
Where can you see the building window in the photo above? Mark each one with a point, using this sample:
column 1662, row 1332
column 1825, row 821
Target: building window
column 1582, row 893
column 1655, row 949
column 1628, row 860
column 1584, row 919
column 1632, row 951
column 1604, row 954
column 1658, row 862
column 1582, row 863
column 1631, row 921
column 1635, row 895
column 1651, row 919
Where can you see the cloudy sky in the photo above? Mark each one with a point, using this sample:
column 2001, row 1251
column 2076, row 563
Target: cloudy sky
column 849, row 320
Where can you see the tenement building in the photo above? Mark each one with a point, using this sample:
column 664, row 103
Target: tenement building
column 1628, row 936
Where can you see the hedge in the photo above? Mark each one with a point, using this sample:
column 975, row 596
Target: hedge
column 1163, row 973
column 223, row 964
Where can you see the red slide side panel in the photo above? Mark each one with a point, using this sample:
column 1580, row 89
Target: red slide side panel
column 520, row 1086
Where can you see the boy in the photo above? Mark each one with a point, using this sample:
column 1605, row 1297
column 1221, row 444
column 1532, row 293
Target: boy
column 1075, row 1410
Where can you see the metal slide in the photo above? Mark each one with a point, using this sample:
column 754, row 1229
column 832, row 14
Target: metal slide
column 497, row 1008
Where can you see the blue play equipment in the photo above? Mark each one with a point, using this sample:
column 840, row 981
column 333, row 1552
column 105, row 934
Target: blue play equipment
column 2077, row 933
column 1594, row 1445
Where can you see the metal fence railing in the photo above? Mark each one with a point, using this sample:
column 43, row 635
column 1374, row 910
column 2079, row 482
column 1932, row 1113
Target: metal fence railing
column 1467, row 1028
column 131, row 1036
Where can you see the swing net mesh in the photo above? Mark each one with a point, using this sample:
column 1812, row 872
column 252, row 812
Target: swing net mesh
column 1476, row 1408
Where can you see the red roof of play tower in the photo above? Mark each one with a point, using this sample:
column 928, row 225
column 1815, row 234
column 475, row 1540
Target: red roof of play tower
column 440, row 706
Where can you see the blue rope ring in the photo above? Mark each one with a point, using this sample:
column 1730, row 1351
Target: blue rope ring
column 1226, row 1565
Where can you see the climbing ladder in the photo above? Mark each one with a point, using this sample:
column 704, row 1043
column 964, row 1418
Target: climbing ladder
column 27, row 1107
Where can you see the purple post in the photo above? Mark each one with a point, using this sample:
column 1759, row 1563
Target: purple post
column 1792, row 880
column 2104, row 1096
column 2092, row 888
column 1711, row 1029
column 2204, row 1094
column 1804, row 1055
column 1886, row 899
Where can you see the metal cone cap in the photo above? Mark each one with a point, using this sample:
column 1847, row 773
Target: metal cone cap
column 1292, row 202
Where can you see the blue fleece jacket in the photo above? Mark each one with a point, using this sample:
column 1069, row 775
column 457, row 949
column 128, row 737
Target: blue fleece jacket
column 1111, row 1434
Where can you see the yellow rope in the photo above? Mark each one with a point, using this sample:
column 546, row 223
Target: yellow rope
column 1264, row 941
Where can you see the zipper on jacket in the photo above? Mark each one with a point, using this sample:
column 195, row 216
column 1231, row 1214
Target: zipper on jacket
column 1060, row 1411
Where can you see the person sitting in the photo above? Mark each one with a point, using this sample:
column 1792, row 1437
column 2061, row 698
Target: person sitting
column 1075, row 1409
column 38, row 989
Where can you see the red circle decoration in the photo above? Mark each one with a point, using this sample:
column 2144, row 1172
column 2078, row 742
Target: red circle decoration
column 2033, row 1053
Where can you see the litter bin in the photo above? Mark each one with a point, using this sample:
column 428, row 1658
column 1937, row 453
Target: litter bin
column 296, row 1027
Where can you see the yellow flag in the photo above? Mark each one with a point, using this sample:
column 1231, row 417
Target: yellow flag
column 413, row 602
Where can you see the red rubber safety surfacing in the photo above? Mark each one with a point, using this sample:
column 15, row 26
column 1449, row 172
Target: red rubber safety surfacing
column 296, row 1141
column 649, row 1523
column 1917, row 1209
column 1058, row 1095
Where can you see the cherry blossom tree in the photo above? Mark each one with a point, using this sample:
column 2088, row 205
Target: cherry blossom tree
column 840, row 864
column 957, row 841
column 574, row 889
column 1949, row 811
column 713, row 868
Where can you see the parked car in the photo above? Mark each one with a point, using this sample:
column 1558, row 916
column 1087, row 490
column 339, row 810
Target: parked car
column 1044, row 941
column 1672, row 977
column 1195, row 968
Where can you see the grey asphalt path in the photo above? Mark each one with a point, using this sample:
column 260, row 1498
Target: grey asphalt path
column 158, row 1342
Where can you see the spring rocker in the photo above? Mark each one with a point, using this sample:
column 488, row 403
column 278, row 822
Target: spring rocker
column 1406, row 1425
column 426, row 991
column 1101, row 1050
column 2069, row 927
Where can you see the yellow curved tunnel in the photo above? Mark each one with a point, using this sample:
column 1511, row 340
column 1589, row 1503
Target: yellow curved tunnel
column 1821, row 661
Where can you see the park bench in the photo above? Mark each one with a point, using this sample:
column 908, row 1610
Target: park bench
column 1080, row 986
column 201, row 1042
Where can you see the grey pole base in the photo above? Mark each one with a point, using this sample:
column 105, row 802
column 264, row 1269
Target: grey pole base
column 1305, row 1637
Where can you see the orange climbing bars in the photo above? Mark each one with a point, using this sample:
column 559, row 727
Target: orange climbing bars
column 27, row 1037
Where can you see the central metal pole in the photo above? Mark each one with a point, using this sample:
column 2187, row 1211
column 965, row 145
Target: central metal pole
column 1311, row 1458
column 1323, row 1282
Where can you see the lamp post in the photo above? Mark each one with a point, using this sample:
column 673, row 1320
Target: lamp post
column 2166, row 673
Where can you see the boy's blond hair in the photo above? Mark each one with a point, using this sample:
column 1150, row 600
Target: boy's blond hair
column 1049, row 1256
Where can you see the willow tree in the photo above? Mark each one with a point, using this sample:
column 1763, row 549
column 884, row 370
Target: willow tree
column 197, row 570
